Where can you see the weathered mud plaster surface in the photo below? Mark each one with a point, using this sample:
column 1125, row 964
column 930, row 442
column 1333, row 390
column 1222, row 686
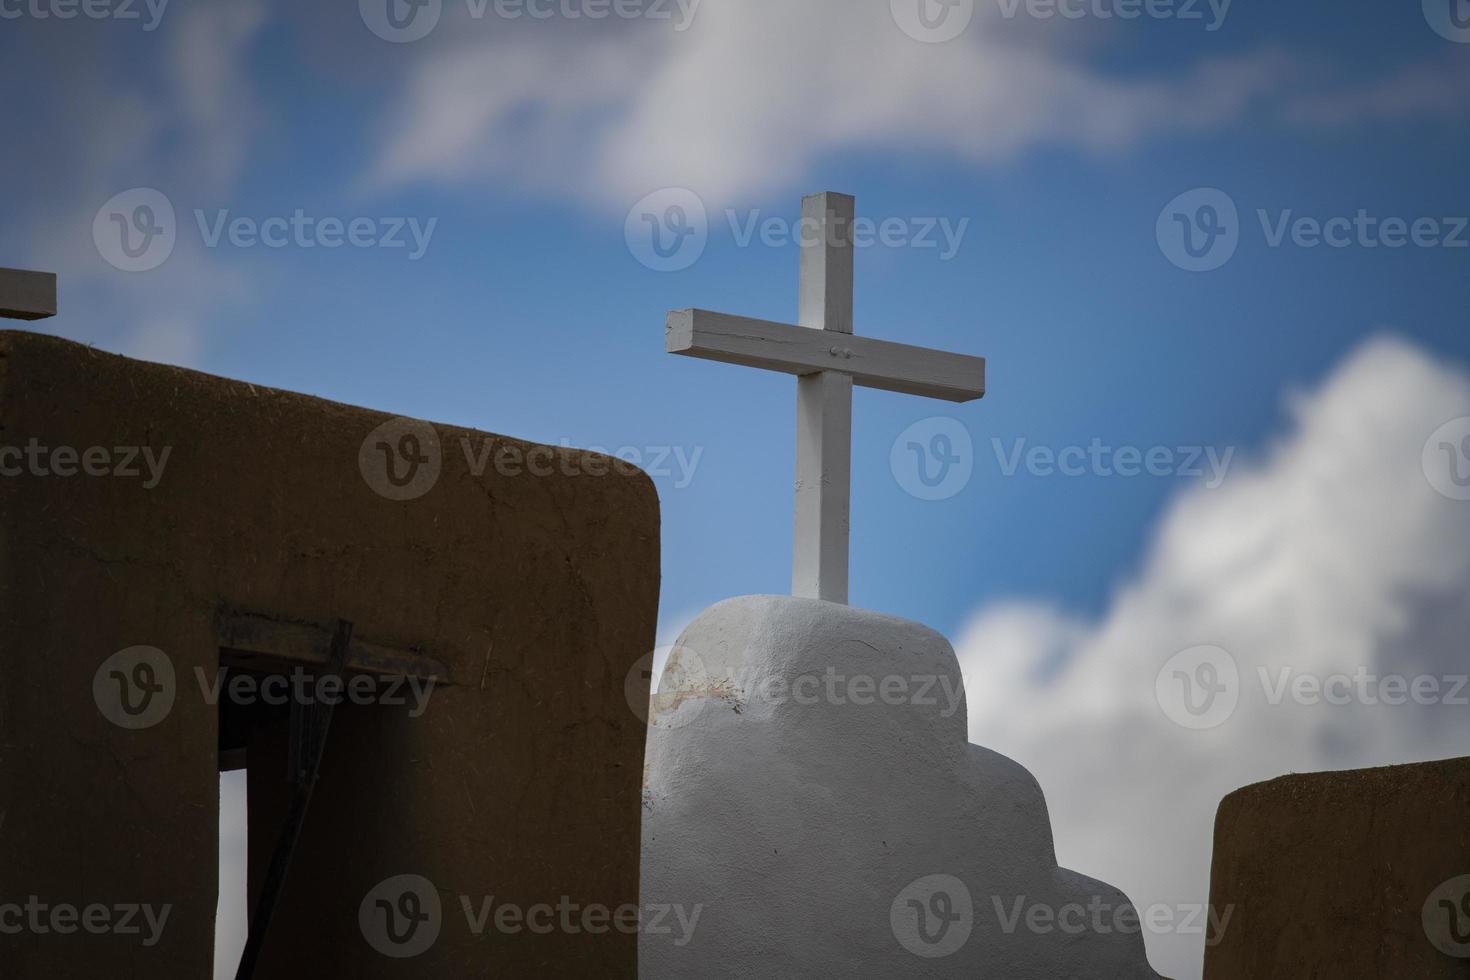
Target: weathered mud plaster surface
column 1346, row 874
column 521, row 780
column 855, row 835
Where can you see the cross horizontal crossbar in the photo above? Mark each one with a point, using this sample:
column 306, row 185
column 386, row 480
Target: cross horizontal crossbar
column 800, row 351
column 26, row 295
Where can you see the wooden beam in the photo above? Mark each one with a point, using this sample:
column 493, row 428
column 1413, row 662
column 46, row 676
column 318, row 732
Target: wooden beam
column 826, row 262
column 824, row 405
column 261, row 643
column 26, row 295
column 801, row 351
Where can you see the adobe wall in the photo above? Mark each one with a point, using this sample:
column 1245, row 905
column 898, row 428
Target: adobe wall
column 1346, row 874
column 521, row 781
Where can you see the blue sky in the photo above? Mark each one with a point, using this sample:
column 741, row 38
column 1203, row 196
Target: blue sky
column 1060, row 141
column 527, row 309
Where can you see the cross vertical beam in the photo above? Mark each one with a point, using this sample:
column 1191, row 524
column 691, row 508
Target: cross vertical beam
column 824, row 404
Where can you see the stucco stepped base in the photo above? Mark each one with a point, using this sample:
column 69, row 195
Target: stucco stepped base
column 836, row 828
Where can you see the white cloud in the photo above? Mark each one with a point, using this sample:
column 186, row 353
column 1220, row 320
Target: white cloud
column 1330, row 554
column 1434, row 90
column 478, row 109
column 757, row 92
column 184, row 124
column 213, row 93
column 170, row 340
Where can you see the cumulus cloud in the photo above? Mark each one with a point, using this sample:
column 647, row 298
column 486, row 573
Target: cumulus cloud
column 215, row 97
column 755, row 92
column 1331, row 554
column 183, row 124
column 1431, row 90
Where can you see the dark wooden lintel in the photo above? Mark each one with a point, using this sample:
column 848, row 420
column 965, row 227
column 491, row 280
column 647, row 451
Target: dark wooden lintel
column 254, row 642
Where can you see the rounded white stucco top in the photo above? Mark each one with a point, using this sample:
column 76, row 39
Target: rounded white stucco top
column 813, row 809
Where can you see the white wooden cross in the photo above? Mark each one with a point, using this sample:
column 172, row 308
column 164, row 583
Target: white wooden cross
column 827, row 360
